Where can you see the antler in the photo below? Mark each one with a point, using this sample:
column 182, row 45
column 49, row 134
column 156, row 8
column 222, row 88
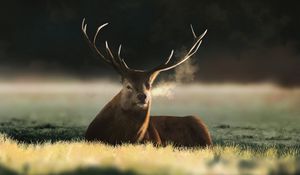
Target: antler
column 118, row 63
column 167, row 65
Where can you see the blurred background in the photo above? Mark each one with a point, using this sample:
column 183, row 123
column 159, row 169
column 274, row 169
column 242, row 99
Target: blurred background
column 243, row 81
column 247, row 41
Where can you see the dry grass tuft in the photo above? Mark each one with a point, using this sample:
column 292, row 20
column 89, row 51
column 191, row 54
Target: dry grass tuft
column 142, row 159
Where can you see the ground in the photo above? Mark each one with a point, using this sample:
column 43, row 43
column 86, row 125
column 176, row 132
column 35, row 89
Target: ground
column 249, row 120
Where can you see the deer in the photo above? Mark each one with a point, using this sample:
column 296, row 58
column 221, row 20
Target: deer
column 126, row 118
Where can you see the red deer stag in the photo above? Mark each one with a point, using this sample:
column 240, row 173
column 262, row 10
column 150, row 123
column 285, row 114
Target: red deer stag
column 126, row 118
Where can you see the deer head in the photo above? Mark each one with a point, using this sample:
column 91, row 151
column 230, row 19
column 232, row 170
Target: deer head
column 137, row 84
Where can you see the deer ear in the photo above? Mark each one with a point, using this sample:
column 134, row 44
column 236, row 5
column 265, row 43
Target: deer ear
column 153, row 76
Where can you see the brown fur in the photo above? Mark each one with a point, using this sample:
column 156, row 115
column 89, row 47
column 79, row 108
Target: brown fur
column 186, row 131
column 113, row 125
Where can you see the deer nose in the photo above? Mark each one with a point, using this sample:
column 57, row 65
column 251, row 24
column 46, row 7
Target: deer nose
column 142, row 97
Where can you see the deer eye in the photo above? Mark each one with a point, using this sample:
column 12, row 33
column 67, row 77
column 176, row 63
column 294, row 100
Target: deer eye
column 128, row 87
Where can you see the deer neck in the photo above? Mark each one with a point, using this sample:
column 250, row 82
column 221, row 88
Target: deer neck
column 134, row 121
column 139, row 120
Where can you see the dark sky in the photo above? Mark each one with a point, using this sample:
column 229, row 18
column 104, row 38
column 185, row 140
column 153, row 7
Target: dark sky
column 247, row 41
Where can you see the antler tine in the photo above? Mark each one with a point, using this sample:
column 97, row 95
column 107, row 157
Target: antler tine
column 121, row 59
column 99, row 28
column 120, row 63
column 119, row 51
column 112, row 61
column 170, row 56
column 164, row 63
column 109, row 52
column 92, row 45
column 190, row 53
column 198, row 39
column 193, row 32
column 186, row 57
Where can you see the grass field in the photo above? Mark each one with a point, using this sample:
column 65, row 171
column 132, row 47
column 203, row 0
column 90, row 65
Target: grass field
column 255, row 129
